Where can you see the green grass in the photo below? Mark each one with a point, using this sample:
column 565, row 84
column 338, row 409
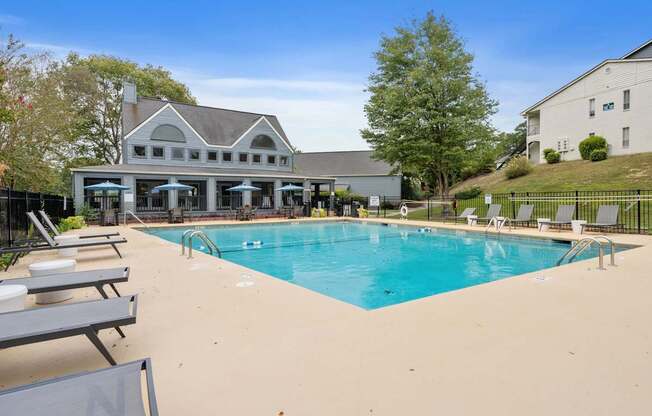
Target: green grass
column 615, row 173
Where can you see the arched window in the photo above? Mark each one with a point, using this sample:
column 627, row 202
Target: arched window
column 263, row 141
column 168, row 133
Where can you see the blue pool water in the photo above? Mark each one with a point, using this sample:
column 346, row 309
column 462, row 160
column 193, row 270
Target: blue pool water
column 372, row 265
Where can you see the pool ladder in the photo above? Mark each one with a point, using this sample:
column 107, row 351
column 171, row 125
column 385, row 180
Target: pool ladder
column 187, row 237
column 586, row 242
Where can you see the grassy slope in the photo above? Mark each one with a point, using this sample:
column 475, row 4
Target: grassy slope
column 615, row 173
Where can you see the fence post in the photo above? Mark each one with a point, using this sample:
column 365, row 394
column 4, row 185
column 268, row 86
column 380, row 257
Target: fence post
column 384, row 206
column 577, row 205
column 428, row 208
column 9, row 217
column 513, row 205
column 638, row 210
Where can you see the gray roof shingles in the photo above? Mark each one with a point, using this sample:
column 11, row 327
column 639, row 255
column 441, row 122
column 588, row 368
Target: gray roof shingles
column 346, row 163
column 217, row 126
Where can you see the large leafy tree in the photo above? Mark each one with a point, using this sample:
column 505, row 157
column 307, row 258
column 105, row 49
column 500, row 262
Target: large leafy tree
column 428, row 112
column 94, row 87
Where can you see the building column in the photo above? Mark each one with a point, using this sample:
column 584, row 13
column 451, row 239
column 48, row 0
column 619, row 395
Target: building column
column 78, row 191
column 331, row 196
column 211, row 194
column 246, row 195
column 172, row 195
column 317, row 194
column 128, row 180
column 278, row 195
column 307, row 186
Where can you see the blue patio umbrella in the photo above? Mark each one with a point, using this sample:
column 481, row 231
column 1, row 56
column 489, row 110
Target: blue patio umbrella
column 172, row 187
column 290, row 187
column 242, row 188
column 107, row 186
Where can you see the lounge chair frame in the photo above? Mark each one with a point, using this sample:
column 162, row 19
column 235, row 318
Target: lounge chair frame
column 606, row 218
column 463, row 216
column 48, row 222
column 565, row 211
column 493, row 211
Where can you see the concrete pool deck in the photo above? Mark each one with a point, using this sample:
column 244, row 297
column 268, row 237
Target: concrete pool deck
column 566, row 341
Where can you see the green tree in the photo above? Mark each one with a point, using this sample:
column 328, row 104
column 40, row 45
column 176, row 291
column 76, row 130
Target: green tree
column 510, row 143
column 94, row 87
column 427, row 112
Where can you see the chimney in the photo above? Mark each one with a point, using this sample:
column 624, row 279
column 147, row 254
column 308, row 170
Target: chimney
column 129, row 93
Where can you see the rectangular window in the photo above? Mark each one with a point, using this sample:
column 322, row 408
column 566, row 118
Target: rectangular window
column 565, row 143
column 626, row 96
column 212, row 156
column 158, row 152
column 194, row 154
column 226, row 156
column 559, row 145
column 256, row 159
column 607, row 106
column 140, row 152
column 592, row 107
column 178, row 153
column 283, row 160
column 243, row 157
column 625, row 137
column 271, row 159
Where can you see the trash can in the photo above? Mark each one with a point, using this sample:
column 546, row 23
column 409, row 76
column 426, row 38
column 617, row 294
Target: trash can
column 12, row 298
column 45, row 268
column 472, row 220
column 543, row 224
column 576, row 225
column 67, row 238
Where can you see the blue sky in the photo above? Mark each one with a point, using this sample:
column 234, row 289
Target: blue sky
column 308, row 61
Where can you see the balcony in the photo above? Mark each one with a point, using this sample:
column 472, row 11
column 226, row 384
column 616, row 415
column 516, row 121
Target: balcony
column 533, row 130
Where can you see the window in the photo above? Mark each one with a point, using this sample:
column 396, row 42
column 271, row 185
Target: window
column 626, row 96
column 243, row 157
column 158, row 152
column 212, row 156
column 607, row 106
column 256, row 159
column 565, row 145
column 271, row 159
column 178, row 153
column 194, row 154
column 140, row 152
column 592, row 107
column 592, row 134
column 283, row 160
column 226, row 156
column 168, row 133
column 559, row 145
column 263, row 141
column 625, row 137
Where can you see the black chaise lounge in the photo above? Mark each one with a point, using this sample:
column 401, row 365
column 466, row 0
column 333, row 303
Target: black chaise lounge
column 493, row 211
column 110, row 391
column 53, row 322
column 46, row 219
column 73, row 280
column 50, row 244
column 564, row 216
column 607, row 218
column 463, row 216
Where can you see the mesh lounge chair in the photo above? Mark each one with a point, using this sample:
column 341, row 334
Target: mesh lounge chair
column 463, row 216
column 607, row 218
column 53, row 322
column 493, row 211
column 46, row 219
column 175, row 215
column 110, row 391
column 524, row 215
column 564, row 216
column 74, row 280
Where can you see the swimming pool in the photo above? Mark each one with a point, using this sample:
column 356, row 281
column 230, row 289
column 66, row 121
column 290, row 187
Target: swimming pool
column 373, row 265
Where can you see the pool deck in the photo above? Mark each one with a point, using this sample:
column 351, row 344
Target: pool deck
column 566, row 341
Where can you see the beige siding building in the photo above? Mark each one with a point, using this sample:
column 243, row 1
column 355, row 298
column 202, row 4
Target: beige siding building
column 613, row 100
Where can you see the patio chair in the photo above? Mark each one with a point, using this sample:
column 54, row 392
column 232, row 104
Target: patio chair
column 607, row 218
column 109, row 217
column 110, row 391
column 46, row 219
column 34, row 325
column 175, row 215
column 73, row 280
column 564, row 216
column 245, row 213
column 463, row 216
column 524, row 215
column 493, row 211
column 50, row 244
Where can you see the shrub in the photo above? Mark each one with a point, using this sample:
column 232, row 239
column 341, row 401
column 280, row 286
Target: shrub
column 87, row 212
column 591, row 143
column 547, row 151
column 552, row 157
column 71, row 223
column 598, row 155
column 469, row 193
column 519, row 166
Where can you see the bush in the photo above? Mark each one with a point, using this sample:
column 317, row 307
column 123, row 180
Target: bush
column 470, row 193
column 519, row 166
column 598, row 155
column 552, row 157
column 71, row 223
column 547, row 151
column 591, row 143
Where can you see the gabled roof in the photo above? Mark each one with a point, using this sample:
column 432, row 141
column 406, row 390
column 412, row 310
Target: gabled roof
column 641, row 54
column 217, row 126
column 347, row 163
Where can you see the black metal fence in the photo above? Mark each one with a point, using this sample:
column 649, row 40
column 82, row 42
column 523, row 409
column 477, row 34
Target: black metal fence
column 14, row 205
column 634, row 214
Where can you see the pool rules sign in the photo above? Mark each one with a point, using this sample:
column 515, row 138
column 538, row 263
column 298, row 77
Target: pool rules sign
column 374, row 201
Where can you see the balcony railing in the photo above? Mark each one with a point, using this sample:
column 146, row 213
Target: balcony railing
column 533, row 130
column 102, row 202
column 262, row 201
column 192, row 203
column 158, row 203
